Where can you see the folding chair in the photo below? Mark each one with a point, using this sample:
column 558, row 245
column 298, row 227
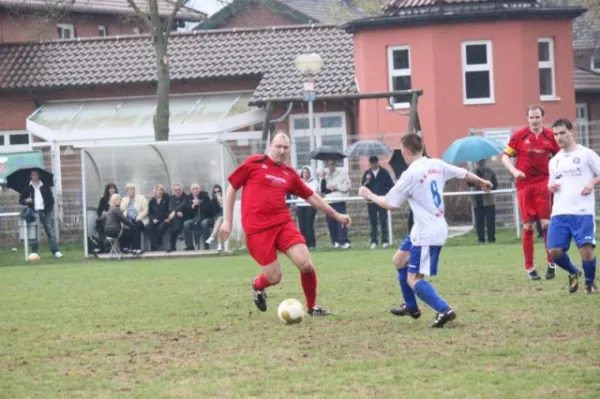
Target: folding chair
column 115, row 248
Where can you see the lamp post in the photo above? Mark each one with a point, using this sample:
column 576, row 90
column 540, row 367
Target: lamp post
column 310, row 65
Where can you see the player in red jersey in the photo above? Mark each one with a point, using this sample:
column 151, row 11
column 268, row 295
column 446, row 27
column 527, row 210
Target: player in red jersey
column 268, row 223
column 533, row 146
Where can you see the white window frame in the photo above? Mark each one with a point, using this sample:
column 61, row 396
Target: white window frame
column 319, row 133
column 7, row 147
column 488, row 67
column 582, row 124
column 548, row 65
column 595, row 57
column 102, row 28
column 398, row 72
column 68, row 27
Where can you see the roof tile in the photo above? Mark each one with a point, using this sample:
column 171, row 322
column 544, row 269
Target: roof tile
column 265, row 53
column 119, row 7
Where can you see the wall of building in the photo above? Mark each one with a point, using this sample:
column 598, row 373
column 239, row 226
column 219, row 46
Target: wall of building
column 436, row 68
column 20, row 27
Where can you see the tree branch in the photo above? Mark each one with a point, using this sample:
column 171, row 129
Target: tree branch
column 141, row 14
column 176, row 7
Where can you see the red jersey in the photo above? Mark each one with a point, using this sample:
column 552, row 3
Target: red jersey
column 265, row 187
column 533, row 154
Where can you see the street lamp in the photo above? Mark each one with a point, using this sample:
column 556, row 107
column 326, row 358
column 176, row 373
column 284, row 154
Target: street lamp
column 310, row 65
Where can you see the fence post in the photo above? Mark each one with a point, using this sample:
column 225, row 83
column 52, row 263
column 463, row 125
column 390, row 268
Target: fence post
column 516, row 214
column 390, row 228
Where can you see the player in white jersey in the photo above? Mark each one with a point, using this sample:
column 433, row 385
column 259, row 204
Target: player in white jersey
column 422, row 184
column 574, row 173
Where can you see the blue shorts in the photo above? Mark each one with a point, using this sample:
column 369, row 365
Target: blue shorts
column 406, row 244
column 565, row 227
column 424, row 259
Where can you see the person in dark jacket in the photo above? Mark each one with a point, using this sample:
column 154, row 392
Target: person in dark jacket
column 158, row 213
column 40, row 199
column 115, row 219
column 379, row 181
column 200, row 220
column 484, row 205
column 103, row 207
column 177, row 213
column 217, row 204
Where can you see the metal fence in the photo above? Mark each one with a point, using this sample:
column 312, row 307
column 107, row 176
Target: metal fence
column 70, row 221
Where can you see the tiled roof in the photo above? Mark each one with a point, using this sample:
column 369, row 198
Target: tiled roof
column 120, row 7
column 265, row 53
column 327, row 11
column 586, row 31
column 586, row 81
column 395, row 4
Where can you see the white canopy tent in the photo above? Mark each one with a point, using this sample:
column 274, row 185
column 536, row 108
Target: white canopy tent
column 206, row 162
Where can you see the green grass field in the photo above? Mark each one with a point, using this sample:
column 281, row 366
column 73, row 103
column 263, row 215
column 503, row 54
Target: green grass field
column 189, row 329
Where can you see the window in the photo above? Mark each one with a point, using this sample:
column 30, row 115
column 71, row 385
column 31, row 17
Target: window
column 546, row 68
column 583, row 124
column 330, row 130
column 595, row 63
column 478, row 72
column 65, row 31
column 102, row 31
column 11, row 141
column 19, row 139
column 399, row 74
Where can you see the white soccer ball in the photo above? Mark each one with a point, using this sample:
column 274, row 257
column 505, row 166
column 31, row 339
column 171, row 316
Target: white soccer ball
column 33, row 257
column 291, row 311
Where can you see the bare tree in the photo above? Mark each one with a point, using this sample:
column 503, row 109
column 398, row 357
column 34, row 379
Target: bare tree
column 160, row 29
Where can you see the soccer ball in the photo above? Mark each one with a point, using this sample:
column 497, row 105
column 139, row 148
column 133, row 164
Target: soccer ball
column 290, row 311
column 33, row 257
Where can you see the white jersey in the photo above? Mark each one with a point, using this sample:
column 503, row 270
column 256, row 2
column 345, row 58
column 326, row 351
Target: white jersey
column 572, row 171
column 422, row 184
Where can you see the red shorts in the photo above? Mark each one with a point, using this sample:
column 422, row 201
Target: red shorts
column 263, row 246
column 535, row 202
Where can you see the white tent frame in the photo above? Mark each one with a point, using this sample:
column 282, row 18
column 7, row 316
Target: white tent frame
column 154, row 145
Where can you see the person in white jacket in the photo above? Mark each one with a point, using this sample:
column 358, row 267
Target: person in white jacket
column 336, row 186
column 305, row 212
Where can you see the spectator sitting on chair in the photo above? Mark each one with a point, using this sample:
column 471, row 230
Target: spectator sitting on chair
column 379, row 181
column 103, row 207
column 484, row 205
column 158, row 213
column 39, row 198
column 135, row 208
column 335, row 186
column 115, row 219
column 217, row 205
column 201, row 220
column 177, row 210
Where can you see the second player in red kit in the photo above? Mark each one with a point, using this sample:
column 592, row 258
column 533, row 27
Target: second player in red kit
column 267, row 221
column 533, row 147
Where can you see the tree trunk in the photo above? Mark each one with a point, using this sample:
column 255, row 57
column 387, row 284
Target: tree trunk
column 161, row 117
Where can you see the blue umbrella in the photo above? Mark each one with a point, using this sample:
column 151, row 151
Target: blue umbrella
column 472, row 149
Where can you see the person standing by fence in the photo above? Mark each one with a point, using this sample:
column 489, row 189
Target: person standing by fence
column 379, row 181
column 305, row 212
column 484, row 205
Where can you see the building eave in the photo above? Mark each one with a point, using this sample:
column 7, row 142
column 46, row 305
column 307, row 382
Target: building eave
column 473, row 16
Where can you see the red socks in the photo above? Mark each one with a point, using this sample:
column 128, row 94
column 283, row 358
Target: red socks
column 261, row 282
column 545, row 232
column 528, row 248
column 309, row 285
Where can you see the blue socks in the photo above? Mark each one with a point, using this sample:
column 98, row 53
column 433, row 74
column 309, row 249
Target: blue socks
column 407, row 292
column 565, row 263
column 427, row 294
column 589, row 270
